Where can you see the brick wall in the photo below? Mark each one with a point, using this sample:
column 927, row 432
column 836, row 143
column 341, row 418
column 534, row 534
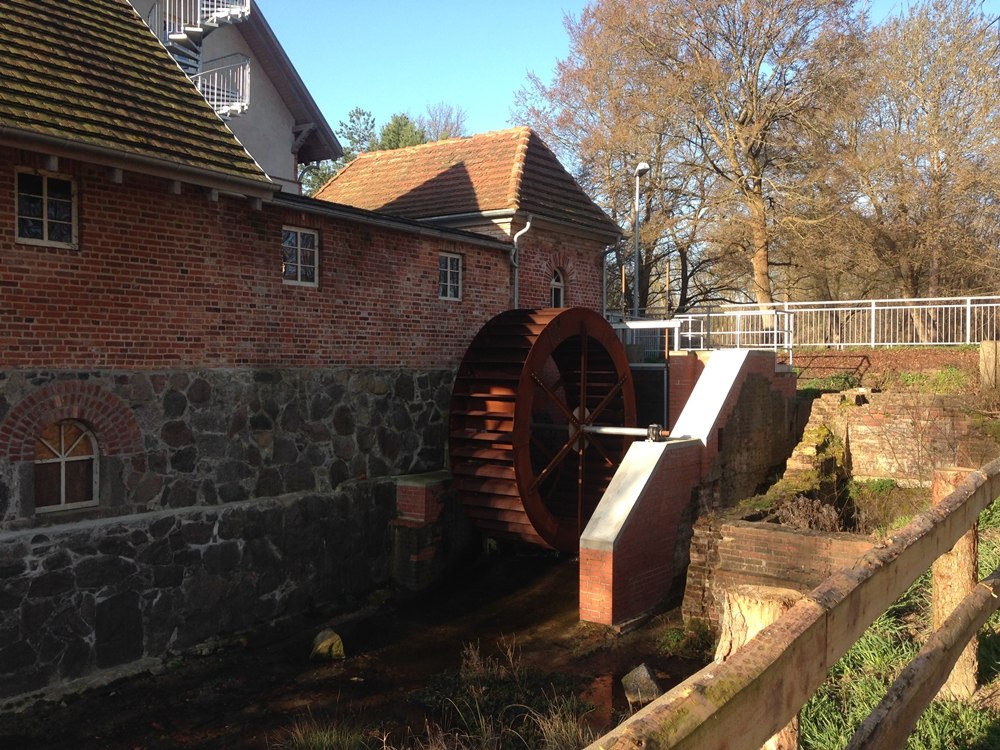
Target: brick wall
column 903, row 436
column 726, row 553
column 620, row 583
column 579, row 259
column 165, row 280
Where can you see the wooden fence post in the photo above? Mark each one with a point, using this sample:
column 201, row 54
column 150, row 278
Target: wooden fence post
column 953, row 576
column 989, row 363
column 746, row 611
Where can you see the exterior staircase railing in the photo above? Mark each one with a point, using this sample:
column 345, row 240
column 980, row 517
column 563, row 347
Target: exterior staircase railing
column 182, row 25
column 226, row 87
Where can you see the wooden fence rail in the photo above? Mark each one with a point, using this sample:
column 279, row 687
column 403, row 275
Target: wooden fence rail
column 739, row 704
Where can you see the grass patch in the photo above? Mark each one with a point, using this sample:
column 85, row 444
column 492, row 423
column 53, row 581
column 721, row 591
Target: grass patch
column 490, row 702
column 881, row 505
column 949, row 380
column 861, row 678
column 692, row 640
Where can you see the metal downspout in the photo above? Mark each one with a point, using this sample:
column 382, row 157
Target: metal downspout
column 515, row 260
column 604, row 276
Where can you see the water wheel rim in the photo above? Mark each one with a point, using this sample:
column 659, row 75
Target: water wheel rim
column 598, row 340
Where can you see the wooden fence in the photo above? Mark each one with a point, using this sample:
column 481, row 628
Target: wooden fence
column 739, row 704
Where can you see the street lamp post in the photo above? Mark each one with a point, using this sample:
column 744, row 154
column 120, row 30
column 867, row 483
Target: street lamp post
column 640, row 169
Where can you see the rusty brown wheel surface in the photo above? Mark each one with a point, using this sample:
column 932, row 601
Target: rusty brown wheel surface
column 530, row 385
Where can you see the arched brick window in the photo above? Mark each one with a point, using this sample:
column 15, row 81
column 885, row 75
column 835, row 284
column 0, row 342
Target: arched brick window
column 66, row 467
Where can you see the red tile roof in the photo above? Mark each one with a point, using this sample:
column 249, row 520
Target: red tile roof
column 506, row 170
column 88, row 75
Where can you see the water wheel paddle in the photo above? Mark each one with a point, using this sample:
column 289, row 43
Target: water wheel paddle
column 529, row 386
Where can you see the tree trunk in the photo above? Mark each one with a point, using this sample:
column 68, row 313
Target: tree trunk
column 760, row 251
column 954, row 575
column 746, row 611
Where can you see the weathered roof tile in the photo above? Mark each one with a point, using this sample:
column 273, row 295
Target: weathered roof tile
column 505, row 170
column 91, row 73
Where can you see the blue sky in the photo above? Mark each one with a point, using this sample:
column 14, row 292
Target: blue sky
column 389, row 56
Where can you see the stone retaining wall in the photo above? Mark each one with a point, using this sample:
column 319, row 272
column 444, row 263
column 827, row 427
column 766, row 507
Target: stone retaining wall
column 228, row 499
column 102, row 595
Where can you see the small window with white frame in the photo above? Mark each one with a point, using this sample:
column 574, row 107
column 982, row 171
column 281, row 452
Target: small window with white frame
column 450, row 276
column 66, row 467
column 299, row 256
column 558, row 287
column 46, row 209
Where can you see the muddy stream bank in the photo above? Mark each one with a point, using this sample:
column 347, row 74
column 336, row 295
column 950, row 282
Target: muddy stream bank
column 248, row 695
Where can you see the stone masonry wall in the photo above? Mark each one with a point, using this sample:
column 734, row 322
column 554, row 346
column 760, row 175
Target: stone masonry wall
column 209, row 437
column 228, row 498
column 903, row 436
column 98, row 599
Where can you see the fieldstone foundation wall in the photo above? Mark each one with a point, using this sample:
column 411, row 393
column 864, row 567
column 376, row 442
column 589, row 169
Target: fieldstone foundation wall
column 228, row 499
column 210, row 437
column 76, row 599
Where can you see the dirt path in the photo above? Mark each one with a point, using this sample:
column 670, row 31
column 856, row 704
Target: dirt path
column 247, row 697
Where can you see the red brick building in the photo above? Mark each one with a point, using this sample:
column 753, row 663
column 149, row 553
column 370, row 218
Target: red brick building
column 209, row 388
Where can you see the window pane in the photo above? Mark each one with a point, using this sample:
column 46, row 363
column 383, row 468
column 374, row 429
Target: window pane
column 46, row 485
column 308, row 274
column 291, row 272
column 61, row 232
column 60, row 189
column 307, row 239
column 75, row 440
column 60, row 211
column 289, row 238
column 30, row 229
column 29, row 183
column 29, row 205
column 308, row 258
column 289, row 254
column 79, row 481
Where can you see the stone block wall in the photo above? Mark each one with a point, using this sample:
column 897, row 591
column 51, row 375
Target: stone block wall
column 208, row 437
column 726, row 553
column 227, row 498
column 108, row 597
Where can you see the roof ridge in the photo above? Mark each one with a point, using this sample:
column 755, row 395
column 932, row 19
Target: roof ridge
column 517, row 168
column 442, row 142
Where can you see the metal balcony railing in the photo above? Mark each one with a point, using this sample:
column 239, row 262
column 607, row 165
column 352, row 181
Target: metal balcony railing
column 182, row 17
column 226, row 87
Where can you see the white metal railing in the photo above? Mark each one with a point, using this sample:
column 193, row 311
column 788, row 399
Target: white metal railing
column 226, row 87
column 939, row 321
column 176, row 16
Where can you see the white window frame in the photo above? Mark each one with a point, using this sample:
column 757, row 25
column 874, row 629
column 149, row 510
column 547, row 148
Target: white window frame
column 557, row 287
column 62, row 459
column 46, row 176
column 299, row 233
column 450, row 276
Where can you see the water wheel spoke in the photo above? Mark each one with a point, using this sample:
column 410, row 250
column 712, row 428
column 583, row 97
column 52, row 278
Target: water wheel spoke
column 556, row 460
column 609, row 461
column 606, row 401
column 555, row 398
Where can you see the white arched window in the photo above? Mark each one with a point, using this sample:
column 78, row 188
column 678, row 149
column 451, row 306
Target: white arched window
column 65, row 467
column 558, row 287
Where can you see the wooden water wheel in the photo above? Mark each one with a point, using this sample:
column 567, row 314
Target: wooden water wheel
column 525, row 456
